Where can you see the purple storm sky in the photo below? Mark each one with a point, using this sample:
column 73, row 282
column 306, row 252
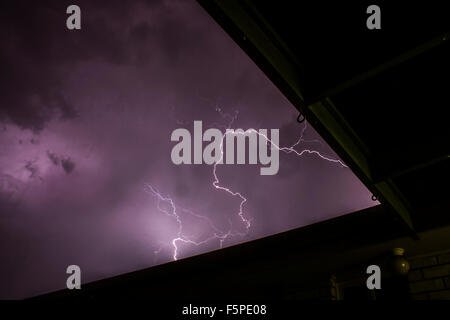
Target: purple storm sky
column 85, row 124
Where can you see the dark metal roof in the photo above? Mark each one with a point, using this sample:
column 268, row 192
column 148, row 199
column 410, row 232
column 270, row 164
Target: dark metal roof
column 378, row 97
column 251, row 269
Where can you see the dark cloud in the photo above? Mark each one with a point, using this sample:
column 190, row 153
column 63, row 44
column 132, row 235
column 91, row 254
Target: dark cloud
column 31, row 167
column 53, row 158
column 36, row 46
column 68, row 165
column 37, row 50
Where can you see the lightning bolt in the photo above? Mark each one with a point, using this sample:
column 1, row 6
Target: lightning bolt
column 217, row 234
column 173, row 213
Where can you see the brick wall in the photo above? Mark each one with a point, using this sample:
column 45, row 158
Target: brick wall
column 429, row 277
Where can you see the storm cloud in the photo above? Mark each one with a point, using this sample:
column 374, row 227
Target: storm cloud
column 85, row 123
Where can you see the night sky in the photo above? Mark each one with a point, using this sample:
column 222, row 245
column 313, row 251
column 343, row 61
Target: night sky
column 85, row 124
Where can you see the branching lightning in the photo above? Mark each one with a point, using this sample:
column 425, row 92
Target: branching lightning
column 219, row 235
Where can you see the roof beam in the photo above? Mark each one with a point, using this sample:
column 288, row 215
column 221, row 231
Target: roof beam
column 265, row 47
